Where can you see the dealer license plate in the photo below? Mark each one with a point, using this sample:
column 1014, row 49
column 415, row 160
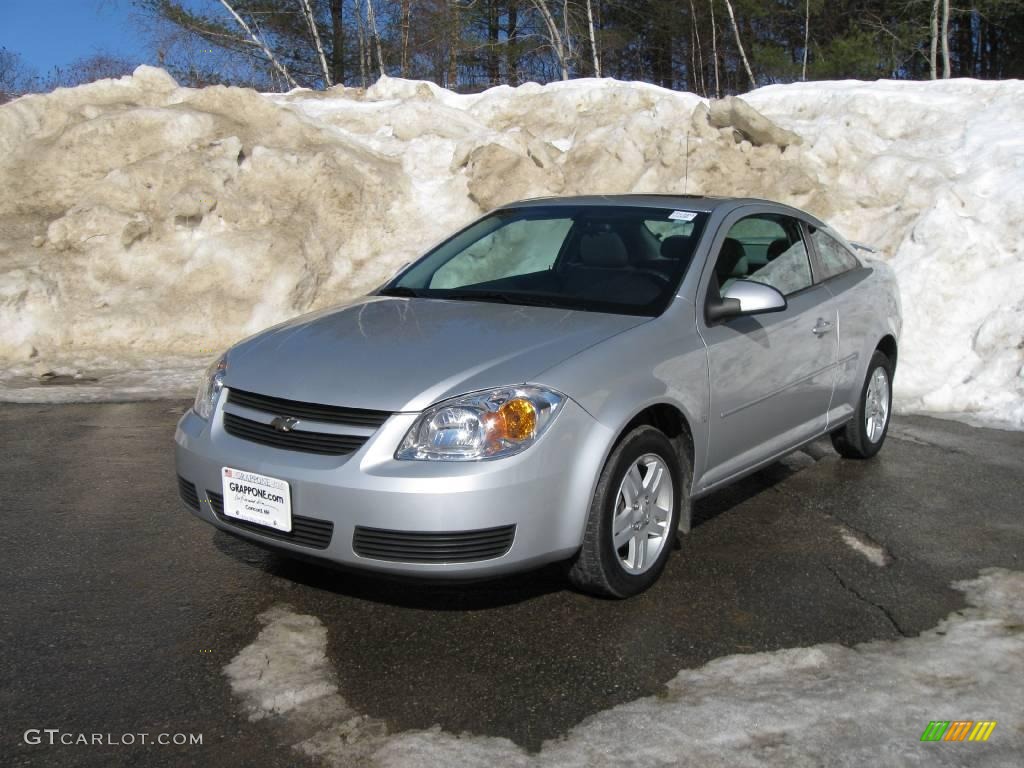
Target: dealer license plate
column 257, row 499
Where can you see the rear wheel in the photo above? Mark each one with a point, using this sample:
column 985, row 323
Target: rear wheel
column 633, row 517
column 862, row 437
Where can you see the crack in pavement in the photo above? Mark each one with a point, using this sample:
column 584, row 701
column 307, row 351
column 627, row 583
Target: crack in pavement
column 885, row 611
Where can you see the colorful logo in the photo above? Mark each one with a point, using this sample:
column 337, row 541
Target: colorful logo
column 958, row 730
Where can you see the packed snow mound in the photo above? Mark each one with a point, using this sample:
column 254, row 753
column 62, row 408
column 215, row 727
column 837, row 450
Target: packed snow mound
column 825, row 705
column 142, row 223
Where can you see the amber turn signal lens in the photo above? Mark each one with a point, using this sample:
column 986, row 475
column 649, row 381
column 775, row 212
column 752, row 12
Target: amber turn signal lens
column 516, row 420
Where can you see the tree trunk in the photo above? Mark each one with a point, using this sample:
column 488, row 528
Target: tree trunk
column 945, row 40
column 554, row 36
column 338, row 40
column 697, row 54
column 739, row 43
column 361, row 31
column 493, row 69
column 453, row 44
column 262, row 45
column 933, row 54
column 714, row 48
column 512, row 33
column 406, row 23
column 371, row 19
column 315, row 33
column 807, row 37
column 593, row 40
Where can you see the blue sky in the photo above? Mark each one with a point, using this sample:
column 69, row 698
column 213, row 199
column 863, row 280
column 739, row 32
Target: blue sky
column 50, row 33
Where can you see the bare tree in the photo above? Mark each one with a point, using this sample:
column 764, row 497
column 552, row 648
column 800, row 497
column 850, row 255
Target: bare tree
column 406, row 22
column 15, row 77
column 452, row 17
column 739, row 44
column 256, row 40
column 311, row 22
column 371, row 19
column 714, row 48
column 807, row 36
column 593, row 40
column 361, row 34
column 558, row 42
column 945, row 40
column 933, row 54
column 338, row 40
column 699, row 55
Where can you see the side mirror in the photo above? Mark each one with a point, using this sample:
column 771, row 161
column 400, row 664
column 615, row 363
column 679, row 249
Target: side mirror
column 745, row 297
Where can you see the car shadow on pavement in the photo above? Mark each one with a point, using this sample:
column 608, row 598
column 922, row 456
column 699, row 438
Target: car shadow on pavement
column 461, row 595
column 740, row 491
column 466, row 595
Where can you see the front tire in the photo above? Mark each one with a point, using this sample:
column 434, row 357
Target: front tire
column 862, row 437
column 633, row 517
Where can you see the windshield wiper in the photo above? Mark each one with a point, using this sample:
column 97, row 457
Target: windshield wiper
column 502, row 298
column 400, row 291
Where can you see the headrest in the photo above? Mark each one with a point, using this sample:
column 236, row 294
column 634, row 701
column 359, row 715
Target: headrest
column 603, row 249
column 776, row 248
column 676, row 247
column 729, row 259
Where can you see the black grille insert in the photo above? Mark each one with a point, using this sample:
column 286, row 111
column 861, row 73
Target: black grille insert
column 416, row 547
column 296, row 440
column 331, row 414
column 306, row 531
column 188, row 494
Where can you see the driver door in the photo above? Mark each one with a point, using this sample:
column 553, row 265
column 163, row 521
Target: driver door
column 771, row 376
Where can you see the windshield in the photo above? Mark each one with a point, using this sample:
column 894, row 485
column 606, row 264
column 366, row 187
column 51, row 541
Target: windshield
column 626, row 260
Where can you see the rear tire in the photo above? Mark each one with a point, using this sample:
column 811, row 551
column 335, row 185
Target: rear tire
column 862, row 436
column 634, row 516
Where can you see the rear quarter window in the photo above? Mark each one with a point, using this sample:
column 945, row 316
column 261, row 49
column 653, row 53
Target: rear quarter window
column 833, row 257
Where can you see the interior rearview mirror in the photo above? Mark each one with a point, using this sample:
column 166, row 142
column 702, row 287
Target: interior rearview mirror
column 745, row 297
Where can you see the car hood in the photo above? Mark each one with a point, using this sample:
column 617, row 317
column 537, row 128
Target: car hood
column 397, row 354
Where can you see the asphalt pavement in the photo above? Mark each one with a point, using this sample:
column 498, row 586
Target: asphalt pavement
column 120, row 609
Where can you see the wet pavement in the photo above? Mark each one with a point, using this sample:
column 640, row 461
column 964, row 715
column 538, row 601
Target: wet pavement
column 120, row 609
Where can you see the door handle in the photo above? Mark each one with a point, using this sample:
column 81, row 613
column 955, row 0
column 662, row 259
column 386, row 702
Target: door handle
column 823, row 327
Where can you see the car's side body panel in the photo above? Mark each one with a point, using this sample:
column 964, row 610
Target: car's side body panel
column 868, row 303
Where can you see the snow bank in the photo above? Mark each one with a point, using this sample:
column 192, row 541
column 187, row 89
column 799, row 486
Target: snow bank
column 140, row 221
column 826, row 705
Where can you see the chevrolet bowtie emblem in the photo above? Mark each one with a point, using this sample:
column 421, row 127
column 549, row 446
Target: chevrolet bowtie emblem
column 284, row 423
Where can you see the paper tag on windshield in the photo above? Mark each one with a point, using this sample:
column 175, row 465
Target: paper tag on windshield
column 682, row 216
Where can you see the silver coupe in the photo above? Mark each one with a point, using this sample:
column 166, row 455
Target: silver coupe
column 558, row 381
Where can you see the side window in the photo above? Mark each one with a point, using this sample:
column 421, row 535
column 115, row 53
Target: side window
column 834, row 257
column 768, row 249
column 503, row 254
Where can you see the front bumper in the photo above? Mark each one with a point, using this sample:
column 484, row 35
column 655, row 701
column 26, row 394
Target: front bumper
column 544, row 492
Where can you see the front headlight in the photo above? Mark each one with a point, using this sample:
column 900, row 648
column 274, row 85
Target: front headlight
column 482, row 425
column 209, row 388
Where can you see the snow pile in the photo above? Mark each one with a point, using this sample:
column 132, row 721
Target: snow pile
column 823, row 705
column 142, row 222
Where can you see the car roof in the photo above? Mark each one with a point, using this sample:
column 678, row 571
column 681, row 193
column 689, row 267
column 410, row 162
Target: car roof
column 699, row 203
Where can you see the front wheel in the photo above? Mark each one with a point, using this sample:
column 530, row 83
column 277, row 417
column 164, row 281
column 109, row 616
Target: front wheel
column 633, row 517
column 862, row 437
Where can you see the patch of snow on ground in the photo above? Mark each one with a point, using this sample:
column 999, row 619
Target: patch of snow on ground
column 139, row 219
column 826, row 705
column 859, row 543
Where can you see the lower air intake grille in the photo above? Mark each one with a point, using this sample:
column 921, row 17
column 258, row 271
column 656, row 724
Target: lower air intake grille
column 409, row 547
column 306, row 531
column 188, row 494
column 296, row 440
